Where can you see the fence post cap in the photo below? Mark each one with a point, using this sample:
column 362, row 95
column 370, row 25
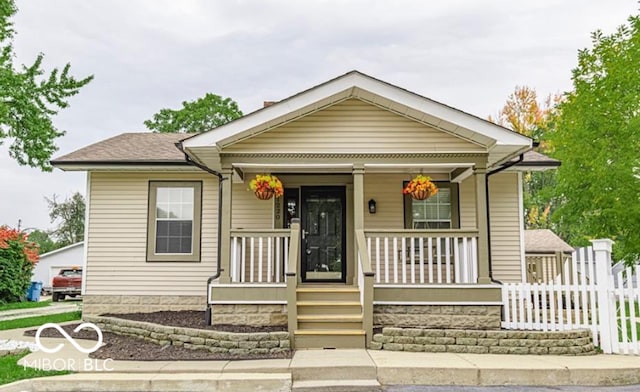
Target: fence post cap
column 602, row 244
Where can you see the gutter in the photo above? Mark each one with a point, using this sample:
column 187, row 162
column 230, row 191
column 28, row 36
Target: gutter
column 215, row 276
column 486, row 187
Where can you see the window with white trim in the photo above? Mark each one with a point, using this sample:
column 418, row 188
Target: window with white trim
column 174, row 221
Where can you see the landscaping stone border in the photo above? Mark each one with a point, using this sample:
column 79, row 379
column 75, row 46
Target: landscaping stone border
column 257, row 343
column 575, row 342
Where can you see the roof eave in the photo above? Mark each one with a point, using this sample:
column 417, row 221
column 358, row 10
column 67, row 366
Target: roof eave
column 124, row 165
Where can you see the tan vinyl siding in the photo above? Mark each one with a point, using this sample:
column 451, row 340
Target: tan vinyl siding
column 505, row 227
column 354, row 126
column 249, row 212
column 116, row 247
column 386, row 190
column 468, row 204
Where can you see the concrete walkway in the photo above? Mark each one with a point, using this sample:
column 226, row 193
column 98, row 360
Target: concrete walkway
column 309, row 370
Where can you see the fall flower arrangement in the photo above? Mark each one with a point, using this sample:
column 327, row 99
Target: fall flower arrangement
column 420, row 187
column 265, row 186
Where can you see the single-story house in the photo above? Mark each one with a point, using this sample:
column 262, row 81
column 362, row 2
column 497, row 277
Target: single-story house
column 547, row 256
column 172, row 225
column 51, row 263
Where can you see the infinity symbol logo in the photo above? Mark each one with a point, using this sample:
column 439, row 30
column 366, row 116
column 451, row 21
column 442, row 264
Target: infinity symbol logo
column 69, row 338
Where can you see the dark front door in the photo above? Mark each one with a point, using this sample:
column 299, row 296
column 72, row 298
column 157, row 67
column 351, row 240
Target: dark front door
column 323, row 212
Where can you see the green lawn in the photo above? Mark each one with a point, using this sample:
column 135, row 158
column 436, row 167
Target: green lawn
column 24, row 305
column 37, row 321
column 629, row 326
column 10, row 371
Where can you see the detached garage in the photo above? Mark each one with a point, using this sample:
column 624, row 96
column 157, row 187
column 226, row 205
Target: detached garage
column 52, row 262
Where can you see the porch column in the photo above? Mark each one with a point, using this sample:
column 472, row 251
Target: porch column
column 225, row 217
column 358, row 196
column 480, row 174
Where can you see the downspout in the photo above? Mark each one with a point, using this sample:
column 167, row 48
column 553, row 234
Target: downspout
column 207, row 316
column 486, row 187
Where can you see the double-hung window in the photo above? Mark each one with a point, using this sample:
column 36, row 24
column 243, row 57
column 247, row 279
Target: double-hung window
column 439, row 211
column 174, row 221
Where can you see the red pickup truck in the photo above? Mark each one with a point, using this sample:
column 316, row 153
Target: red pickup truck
column 67, row 283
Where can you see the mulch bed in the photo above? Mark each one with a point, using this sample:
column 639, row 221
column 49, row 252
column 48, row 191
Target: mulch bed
column 191, row 319
column 127, row 348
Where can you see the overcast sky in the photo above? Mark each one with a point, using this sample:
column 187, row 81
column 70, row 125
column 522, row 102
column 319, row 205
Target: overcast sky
column 147, row 55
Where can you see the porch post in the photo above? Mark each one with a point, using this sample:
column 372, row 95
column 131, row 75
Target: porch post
column 225, row 239
column 480, row 174
column 358, row 196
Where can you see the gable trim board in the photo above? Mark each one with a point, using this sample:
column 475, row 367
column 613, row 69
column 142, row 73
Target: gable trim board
column 499, row 141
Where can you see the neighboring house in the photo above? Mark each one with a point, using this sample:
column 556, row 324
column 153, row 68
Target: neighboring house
column 171, row 224
column 51, row 263
column 546, row 256
column 628, row 279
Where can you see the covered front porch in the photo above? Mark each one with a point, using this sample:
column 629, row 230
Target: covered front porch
column 337, row 266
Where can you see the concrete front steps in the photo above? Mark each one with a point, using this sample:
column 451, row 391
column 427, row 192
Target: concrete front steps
column 329, row 317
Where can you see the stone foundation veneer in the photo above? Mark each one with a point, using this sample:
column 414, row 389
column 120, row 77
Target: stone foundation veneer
column 256, row 343
column 576, row 342
column 438, row 316
column 250, row 314
column 101, row 304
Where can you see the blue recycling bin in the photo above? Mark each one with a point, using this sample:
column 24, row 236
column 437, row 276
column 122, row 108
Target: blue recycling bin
column 33, row 294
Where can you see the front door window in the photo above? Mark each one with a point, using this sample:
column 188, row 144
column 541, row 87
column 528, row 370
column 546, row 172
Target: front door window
column 323, row 225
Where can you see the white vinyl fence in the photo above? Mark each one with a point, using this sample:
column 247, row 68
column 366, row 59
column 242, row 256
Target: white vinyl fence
column 586, row 293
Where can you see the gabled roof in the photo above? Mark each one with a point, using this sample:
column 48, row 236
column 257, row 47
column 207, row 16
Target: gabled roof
column 60, row 250
column 503, row 142
column 544, row 241
column 129, row 148
column 535, row 161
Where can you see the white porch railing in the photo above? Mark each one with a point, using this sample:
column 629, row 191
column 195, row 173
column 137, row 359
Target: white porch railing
column 259, row 256
column 423, row 257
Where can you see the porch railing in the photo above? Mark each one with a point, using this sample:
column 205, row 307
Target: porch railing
column 423, row 256
column 365, row 278
column 259, row 256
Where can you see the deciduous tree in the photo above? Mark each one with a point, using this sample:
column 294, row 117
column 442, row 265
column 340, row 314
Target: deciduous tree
column 524, row 114
column 597, row 138
column 70, row 217
column 43, row 240
column 29, row 98
column 200, row 115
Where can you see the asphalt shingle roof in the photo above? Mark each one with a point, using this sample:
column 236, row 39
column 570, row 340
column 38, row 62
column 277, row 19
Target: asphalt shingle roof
column 544, row 241
column 130, row 148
